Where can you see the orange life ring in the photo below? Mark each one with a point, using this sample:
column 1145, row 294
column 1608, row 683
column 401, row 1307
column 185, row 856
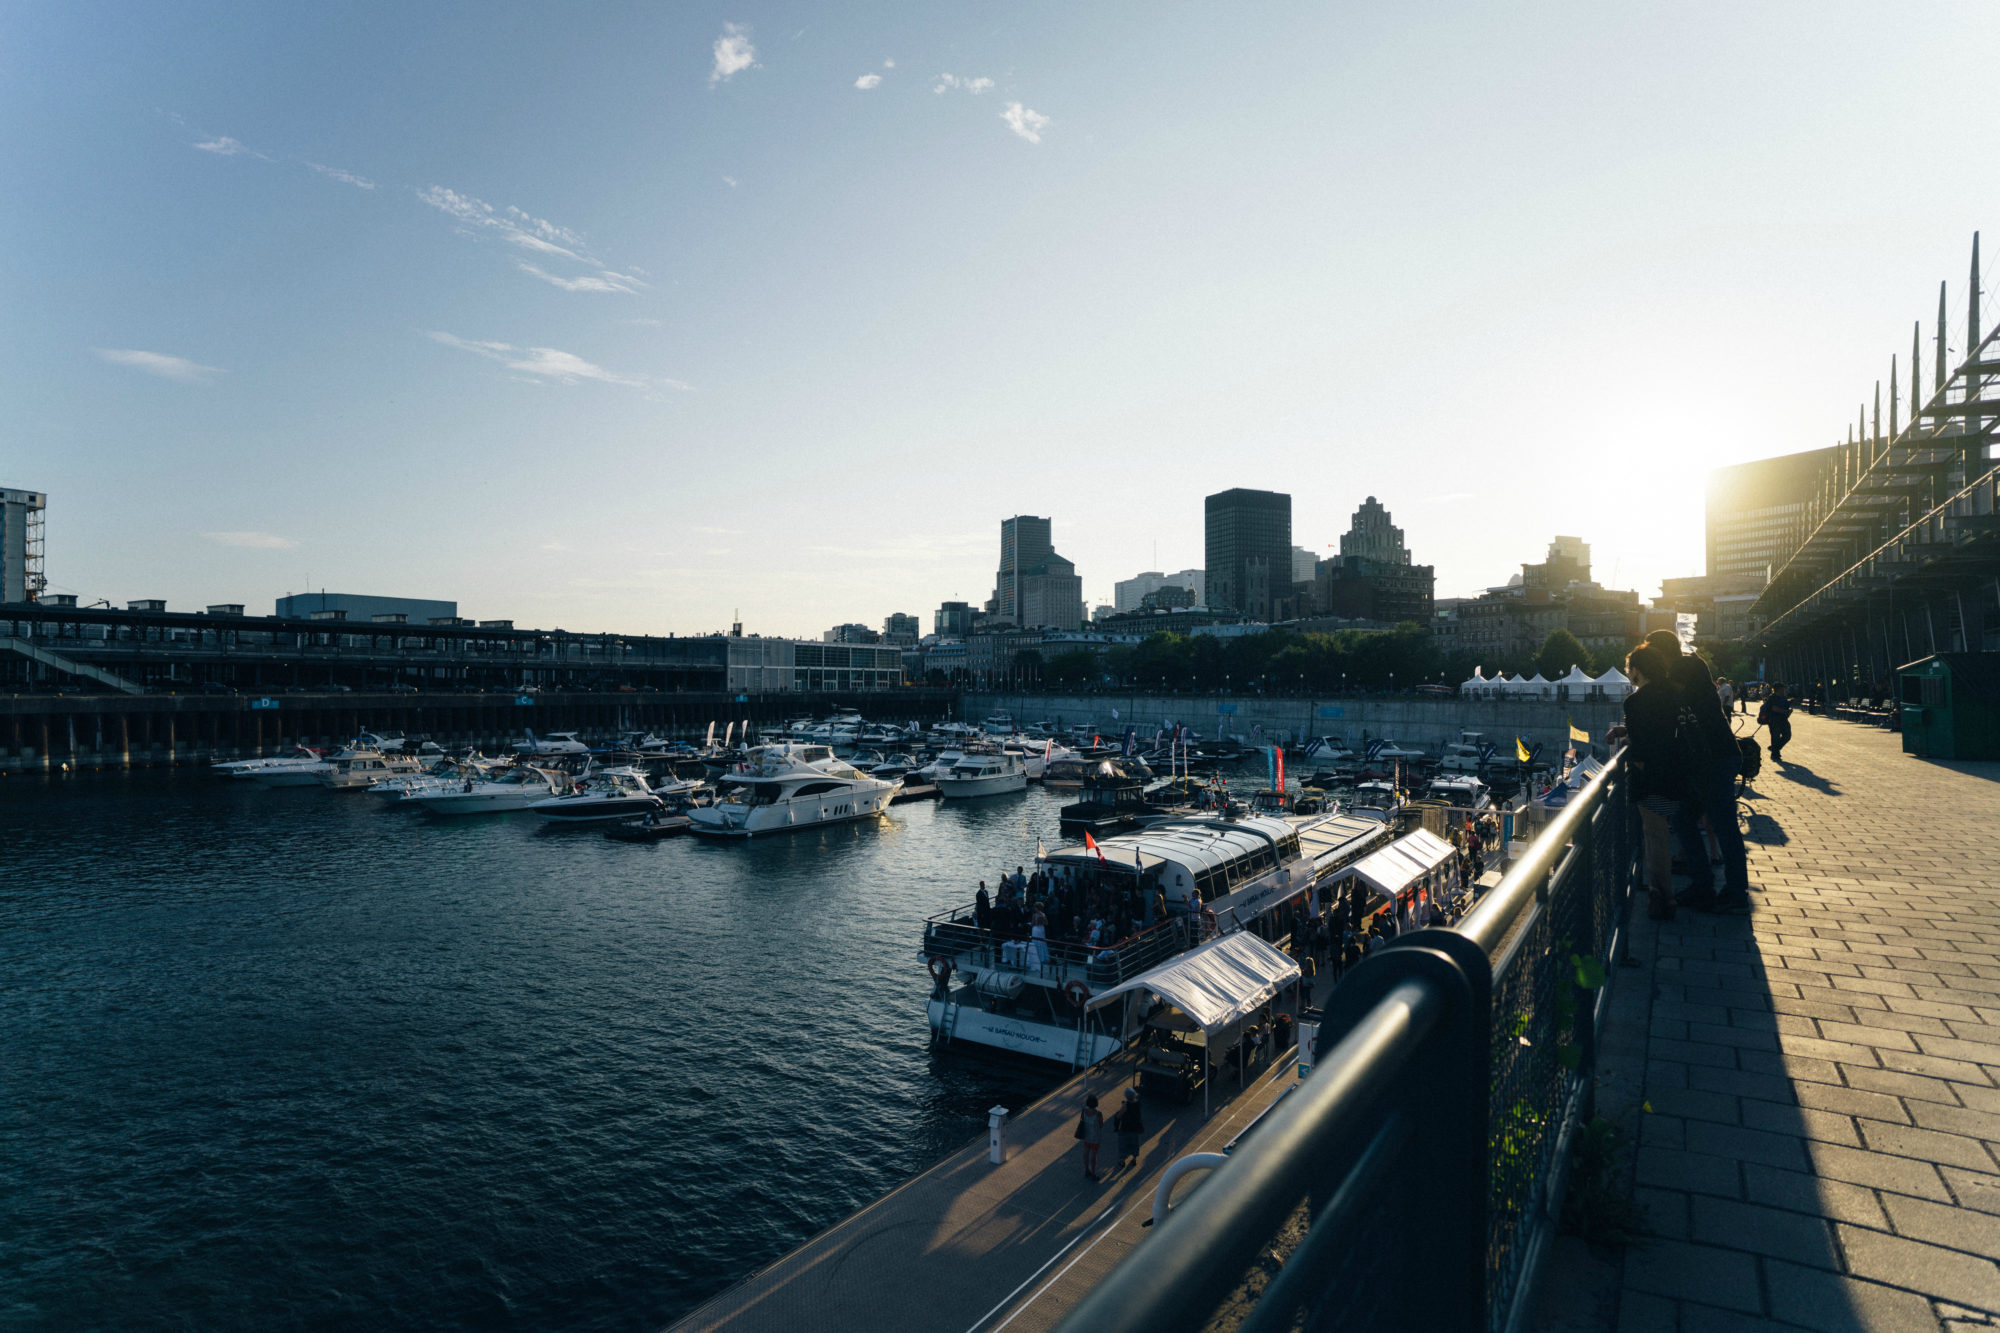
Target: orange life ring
column 940, row 966
column 1078, row 993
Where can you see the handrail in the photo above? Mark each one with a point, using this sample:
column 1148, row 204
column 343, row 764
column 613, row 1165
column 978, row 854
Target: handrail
column 1490, row 920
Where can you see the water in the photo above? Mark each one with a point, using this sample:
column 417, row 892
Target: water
column 286, row 1058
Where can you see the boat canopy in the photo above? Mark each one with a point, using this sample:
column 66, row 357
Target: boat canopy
column 1403, row 862
column 1217, row 984
column 1200, row 845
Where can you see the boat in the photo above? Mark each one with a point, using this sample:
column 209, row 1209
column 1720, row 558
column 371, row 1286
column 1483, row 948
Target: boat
column 785, row 788
column 999, row 724
column 600, row 794
column 1004, row 988
column 1468, row 754
column 356, row 769
column 1389, row 751
column 983, row 775
column 390, row 743
column 649, row 828
column 298, row 757
column 1110, row 803
column 1461, row 791
column 1327, row 751
column 555, row 743
column 1376, row 800
column 510, row 789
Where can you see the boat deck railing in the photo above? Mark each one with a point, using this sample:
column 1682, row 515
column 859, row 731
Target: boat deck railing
column 957, row 936
column 1425, row 1153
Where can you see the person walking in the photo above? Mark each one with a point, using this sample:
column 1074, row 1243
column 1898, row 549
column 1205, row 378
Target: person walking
column 1090, row 1128
column 1776, row 717
column 1131, row 1127
column 1658, row 767
column 1714, row 763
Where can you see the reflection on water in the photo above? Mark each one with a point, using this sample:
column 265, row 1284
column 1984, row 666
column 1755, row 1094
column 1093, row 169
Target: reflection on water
column 287, row 1057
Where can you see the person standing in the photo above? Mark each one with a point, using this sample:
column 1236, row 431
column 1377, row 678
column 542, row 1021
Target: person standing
column 1658, row 767
column 1131, row 1127
column 1776, row 717
column 1714, row 763
column 1090, row 1128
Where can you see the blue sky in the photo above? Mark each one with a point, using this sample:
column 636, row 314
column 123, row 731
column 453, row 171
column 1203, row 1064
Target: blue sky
column 627, row 317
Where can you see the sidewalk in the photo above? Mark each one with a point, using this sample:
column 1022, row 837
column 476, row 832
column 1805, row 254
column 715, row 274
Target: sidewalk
column 1817, row 1086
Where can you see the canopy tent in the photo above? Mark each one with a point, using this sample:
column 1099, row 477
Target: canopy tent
column 1478, row 684
column 1537, row 684
column 1402, row 863
column 1217, row 985
column 1615, row 683
column 1578, row 679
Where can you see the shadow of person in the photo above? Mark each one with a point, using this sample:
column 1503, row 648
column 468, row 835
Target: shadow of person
column 1805, row 777
column 1765, row 831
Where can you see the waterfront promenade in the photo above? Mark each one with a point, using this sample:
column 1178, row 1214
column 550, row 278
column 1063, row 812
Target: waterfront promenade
column 1816, row 1087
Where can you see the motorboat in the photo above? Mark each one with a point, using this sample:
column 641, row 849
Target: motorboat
column 357, row 769
column 509, row 789
column 785, row 788
column 441, row 773
column 1327, row 751
column 1389, row 751
column 600, row 794
column 1375, row 800
column 1110, row 803
column 1000, row 983
column 390, row 743
column 999, row 724
column 555, row 743
column 298, row 757
column 983, row 775
column 1468, row 754
column 1461, row 791
column 1035, row 759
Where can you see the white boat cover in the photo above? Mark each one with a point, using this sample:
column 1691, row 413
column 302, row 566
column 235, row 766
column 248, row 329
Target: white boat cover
column 1403, row 862
column 1216, row 984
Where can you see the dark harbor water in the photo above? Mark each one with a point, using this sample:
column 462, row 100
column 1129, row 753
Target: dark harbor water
column 287, row 1059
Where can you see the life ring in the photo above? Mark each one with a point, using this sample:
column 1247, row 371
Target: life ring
column 940, row 966
column 1077, row 993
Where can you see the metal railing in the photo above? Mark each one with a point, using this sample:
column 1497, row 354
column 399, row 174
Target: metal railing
column 1416, row 1175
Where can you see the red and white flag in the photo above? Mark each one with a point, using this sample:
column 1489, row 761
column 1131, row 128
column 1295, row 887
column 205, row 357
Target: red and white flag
column 1091, row 843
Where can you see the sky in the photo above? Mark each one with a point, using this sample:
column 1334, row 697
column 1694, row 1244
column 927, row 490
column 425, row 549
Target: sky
column 644, row 317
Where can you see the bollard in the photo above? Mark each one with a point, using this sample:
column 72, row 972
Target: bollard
column 996, row 1125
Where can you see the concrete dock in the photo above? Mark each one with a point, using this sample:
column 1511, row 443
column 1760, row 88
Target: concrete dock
column 969, row 1247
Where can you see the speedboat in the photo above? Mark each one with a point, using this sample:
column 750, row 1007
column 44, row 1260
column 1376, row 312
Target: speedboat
column 512, row 789
column 1468, row 754
column 299, row 757
column 391, row 743
column 1000, row 724
column 1376, row 800
column 1387, row 749
column 983, row 775
column 600, row 794
column 1461, row 791
column 555, row 743
column 785, row 788
column 1327, row 751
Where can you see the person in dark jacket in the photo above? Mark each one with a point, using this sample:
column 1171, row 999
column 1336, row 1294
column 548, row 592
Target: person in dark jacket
column 1714, row 764
column 1131, row 1127
column 1776, row 716
column 1658, row 766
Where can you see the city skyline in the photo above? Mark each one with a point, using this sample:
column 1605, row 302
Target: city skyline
column 629, row 323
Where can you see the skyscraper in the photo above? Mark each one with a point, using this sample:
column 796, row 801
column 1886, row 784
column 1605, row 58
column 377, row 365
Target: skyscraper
column 1247, row 536
column 1034, row 585
column 1373, row 578
column 21, row 545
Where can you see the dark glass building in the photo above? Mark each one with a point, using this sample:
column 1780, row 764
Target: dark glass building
column 1247, row 538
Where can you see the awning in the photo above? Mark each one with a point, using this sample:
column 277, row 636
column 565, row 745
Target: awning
column 1403, row 862
column 1216, row 984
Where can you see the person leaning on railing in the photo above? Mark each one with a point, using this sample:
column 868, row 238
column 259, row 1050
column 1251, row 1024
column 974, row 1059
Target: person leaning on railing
column 1657, row 763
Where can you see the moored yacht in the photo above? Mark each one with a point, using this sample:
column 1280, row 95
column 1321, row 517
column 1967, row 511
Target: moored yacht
column 510, row 789
column 555, row 743
column 358, row 769
column 983, row 775
column 603, row 793
column 785, row 788
column 1459, row 790
column 1468, row 754
column 1376, row 800
column 299, row 757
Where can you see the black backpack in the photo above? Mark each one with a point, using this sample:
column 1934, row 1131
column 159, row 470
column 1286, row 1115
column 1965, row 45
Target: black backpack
column 1753, row 756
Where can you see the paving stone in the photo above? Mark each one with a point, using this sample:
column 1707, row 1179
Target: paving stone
column 1700, row 1173
column 1876, row 1170
column 1695, row 1105
column 1742, row 1083
column 1934, row 1066
column 1958, row 1120
column 1639, row 1312
column 1828, row 1302
column 1978, row 1098
column 1749, row 1145
column 1818, row 1195
column 1862, row 1034
column 1942, row 1224
column 1949, row 1274
column 1899, row 1084
column 1688, row 1272
column 1851, row 1101
column 1743, row 1226
column 1973, row 1189
column 1826, row 1126
column 1930, row 1145
column 1666, row 1212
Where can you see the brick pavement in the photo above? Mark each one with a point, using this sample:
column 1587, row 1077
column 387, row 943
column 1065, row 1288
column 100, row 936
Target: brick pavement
column 1820, row 1144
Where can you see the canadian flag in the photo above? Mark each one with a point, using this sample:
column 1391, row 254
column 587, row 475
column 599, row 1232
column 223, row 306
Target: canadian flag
column 1091, row 843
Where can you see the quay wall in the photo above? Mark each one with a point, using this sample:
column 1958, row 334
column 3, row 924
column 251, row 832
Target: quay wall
column 51, row 732
column 1258, row 719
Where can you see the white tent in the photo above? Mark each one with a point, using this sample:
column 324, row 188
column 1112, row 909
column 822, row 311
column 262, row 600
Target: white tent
column 1578, row 682
column 1218, row 984
column 1615, row 683
column 1477, row 685
column 1538, row 685
column 1391, row 871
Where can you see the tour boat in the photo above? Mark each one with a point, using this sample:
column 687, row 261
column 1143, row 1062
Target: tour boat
column 983, row 775
column 785, row 788
column 600, row 794
column 1030, row 995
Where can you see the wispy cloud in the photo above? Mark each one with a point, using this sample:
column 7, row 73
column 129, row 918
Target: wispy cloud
column 1028, row 124
column 262, row 540
column 549, row 364
column 889, row 64
column 159, row 363
column 224, row 146
column 604, row 280
column 946, row 82
column 867, row 81
column 346, row 177
column 730, row 181
column 733, row 53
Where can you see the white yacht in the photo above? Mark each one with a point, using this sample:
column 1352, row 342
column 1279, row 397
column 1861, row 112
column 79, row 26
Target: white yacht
column 1468, row 754
column 1001, row 986
column 392, row 743
column 1327, row 750
column 1390, row 750
column 555, row 743
column 1376, row 800
column 511, row 789
column 983, row 775
column 604, row 793
column 784, row 788
column 1462, row 791
column 1000, row 724
column 299, row 757
column 357, row 769
column 1034, row 758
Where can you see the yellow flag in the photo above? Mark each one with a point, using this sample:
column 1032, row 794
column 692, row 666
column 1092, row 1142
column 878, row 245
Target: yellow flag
column 1521, row 749
column 1577, row 733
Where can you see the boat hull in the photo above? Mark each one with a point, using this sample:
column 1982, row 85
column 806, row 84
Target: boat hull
column 1020, row 1036
column 476, row 803
column 593, row 812
column 998, row 784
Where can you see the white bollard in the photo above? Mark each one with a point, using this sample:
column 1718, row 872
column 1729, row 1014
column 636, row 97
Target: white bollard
column 996, row 1127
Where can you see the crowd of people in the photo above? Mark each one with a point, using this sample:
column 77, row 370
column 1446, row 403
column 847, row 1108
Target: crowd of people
column 1059, row 905
column 1684, row 758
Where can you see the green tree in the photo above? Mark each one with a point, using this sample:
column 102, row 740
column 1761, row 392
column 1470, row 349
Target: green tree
column 1560, row 652
column 1071, row 669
